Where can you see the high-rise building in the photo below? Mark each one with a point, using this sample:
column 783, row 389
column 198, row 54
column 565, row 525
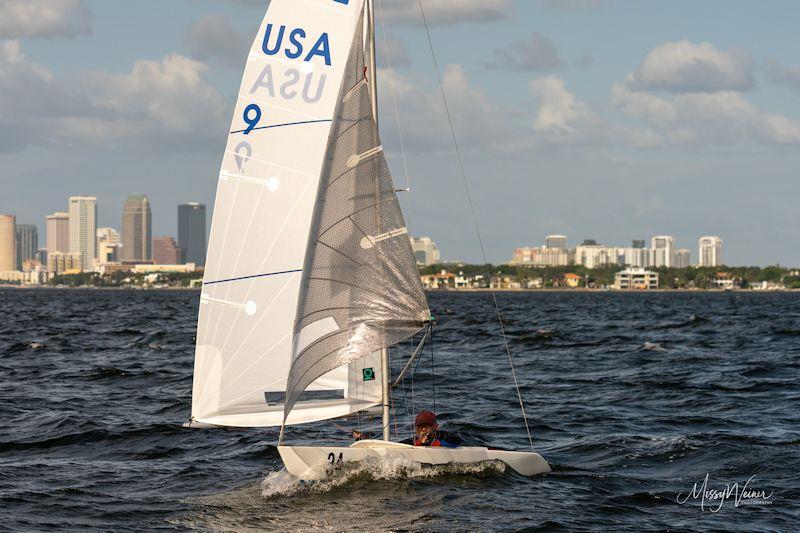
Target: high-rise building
column 192, row 233
column 636, row 256
column 107, row 236
column 710, row 251
column 556, row 241
column 638, row 243
column 58, row 232
column 683, row 258
column 8, row 246
column 27, row 243
column 425, row 251
column 108, row 245
column 41, row 256
column 60, row 262
column 83, row 228
column 594, row 255
column 137, row 229
column 541, row 257
column 166, row 251
column 663, row 251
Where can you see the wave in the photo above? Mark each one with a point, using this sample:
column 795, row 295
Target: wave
column 651, row 347
column 693, row 320
column 25, row 346
column 283, row 484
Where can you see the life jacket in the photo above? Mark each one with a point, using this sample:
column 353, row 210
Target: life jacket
column 442, row 439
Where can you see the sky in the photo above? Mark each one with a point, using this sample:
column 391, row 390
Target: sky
column 605, row 119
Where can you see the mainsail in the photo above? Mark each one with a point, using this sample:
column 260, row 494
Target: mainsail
column 262, row 216
column 360, row 289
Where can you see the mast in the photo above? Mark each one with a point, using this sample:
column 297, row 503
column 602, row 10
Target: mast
column 373, row 91
column 373, row 72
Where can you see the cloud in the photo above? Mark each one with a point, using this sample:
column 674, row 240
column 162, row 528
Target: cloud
column 213, row 38
column 683, row 66
column 559, row 111
column 32, row 100
column 445, row 12
column 535, row 53
column 479, row 123
column 562, row 119
column 158, row 105
column 788, row 76
column 576, row 4
column 723, row 117
column 21, row 19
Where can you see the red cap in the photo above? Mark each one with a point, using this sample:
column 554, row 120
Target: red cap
column 425, row 418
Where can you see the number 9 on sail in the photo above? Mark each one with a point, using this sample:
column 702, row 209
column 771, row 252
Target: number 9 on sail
column 251, row 119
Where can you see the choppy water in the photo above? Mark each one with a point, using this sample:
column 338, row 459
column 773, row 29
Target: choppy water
column 633, row 398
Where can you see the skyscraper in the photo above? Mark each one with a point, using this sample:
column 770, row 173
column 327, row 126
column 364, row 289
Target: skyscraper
column 425, row 251
column 638, row 243
column 137, row 229
column 83, row 228
column 663, row 250
column 58, row 232
column 710, row 251
column 108, row 245
column 8, row 247
column 683, row 258
column 556, row 241
column 166, row 251
column 192, row 233
column 27, row 243
column 107, row 236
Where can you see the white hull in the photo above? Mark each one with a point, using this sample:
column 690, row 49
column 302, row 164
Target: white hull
column 313, row 462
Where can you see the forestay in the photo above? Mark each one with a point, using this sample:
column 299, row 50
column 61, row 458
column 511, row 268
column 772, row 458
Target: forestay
column 262, row 216
column 360, row 290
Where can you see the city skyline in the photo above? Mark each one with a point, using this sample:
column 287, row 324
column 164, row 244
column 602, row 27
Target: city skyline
column 662, row 252
column 565, row 125
column 191, row 215
column 73, row 239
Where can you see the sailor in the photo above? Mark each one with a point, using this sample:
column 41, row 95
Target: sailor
column 427, row 432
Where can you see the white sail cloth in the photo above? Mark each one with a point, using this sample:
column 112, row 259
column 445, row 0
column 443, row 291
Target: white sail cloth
column 262, row 215
column 360, row 289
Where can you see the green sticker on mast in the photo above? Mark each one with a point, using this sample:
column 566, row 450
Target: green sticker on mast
column 368, row 374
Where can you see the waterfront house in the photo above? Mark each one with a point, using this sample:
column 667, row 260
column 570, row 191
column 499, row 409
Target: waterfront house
column 635, row 279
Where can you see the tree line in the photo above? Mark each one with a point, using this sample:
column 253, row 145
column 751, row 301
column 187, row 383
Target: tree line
column 678, row 278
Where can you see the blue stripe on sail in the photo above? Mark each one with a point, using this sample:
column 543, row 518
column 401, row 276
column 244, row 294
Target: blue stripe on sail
column 286, row 124
column 253, row 276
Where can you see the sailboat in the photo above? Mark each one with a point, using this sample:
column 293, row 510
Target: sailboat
column 310, row 277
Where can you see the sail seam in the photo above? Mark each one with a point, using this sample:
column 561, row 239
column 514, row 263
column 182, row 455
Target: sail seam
column 299, row 123
column 253, row 276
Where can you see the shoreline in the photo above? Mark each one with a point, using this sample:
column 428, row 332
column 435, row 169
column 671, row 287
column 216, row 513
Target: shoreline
column 427, row 291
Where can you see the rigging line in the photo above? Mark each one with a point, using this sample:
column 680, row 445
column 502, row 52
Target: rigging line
column 394, row 97
column 475, row 220
column 433, row 370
